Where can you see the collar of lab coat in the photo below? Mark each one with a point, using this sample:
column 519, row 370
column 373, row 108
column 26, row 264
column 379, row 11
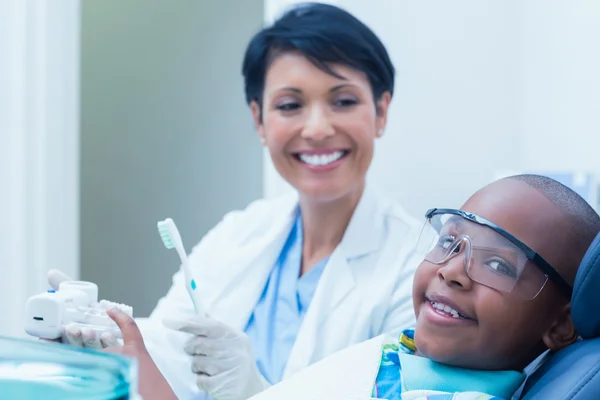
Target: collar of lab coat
column 362, row 236
column 252, row 264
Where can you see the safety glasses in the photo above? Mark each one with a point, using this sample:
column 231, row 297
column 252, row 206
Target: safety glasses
column 492, row 256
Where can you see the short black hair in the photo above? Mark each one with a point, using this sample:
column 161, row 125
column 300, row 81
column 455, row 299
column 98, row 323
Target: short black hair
column 584, row 220
column 324, row 34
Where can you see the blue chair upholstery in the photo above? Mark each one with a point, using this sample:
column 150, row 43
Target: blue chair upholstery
column 574, row 373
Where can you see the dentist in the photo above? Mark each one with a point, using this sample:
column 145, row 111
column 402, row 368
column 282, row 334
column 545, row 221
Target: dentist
column 286, row 282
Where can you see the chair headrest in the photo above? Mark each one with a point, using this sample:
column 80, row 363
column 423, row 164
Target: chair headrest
column 585, row 302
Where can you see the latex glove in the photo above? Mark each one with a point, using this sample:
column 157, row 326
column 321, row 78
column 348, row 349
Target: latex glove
column 222, row 358
column 75, row 335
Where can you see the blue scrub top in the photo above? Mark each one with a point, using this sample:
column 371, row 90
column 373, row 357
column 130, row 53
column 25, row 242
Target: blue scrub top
column 276, row 320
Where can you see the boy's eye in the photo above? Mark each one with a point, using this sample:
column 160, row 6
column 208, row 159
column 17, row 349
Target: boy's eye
column 502, row 267
column 446, row 241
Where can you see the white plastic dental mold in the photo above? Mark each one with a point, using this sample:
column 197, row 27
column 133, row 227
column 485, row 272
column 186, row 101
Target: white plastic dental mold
column 75, row 303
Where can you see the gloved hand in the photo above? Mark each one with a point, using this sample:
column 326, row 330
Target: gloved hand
column 222, row 358
column 75, row 335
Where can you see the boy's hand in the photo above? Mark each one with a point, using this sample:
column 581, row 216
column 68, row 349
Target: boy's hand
column 152, row 384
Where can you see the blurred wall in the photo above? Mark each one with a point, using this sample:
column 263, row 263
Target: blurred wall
column 165, row 133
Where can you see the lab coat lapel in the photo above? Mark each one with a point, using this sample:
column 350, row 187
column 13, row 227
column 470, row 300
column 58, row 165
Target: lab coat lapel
column 362, row 237
column 339, row 277
column 251, row 266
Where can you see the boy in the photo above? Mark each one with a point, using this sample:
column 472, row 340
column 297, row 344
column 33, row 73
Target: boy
column 491, row 295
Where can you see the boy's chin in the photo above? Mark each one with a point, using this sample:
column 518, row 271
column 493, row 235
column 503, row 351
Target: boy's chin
column 452, row 351
column 438, row 345
column 441, row 353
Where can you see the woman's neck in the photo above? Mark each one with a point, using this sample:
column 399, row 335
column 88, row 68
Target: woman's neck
column 324, row 224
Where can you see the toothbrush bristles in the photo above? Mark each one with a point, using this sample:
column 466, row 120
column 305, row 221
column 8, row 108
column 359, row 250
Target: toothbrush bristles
column 166, row 238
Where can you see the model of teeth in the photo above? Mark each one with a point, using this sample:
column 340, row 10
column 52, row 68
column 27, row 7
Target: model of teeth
column 445, row 309
column 73, row 305
column 321, row 159
column 105, row 305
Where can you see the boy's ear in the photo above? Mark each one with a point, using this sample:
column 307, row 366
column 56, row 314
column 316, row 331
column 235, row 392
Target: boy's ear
column 562, row 332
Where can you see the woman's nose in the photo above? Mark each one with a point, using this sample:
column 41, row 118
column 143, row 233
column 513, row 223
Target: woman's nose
column 318, row 125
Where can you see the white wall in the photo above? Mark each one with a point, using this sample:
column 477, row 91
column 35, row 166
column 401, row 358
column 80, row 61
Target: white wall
column 561, row 76
column 38, row 150
column 481, row 87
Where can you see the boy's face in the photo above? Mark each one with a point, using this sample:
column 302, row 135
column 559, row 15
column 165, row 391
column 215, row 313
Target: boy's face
column 503, row 331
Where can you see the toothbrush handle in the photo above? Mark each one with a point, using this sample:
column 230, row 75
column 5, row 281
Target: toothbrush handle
column 196, row 300
column 192, row 287
column 190, row 282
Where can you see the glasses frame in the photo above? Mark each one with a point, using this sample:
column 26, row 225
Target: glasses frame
column 531, row 255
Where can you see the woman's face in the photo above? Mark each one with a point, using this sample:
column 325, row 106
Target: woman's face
column 319, row 129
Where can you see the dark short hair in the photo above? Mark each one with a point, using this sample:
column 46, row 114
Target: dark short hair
column 585, row 220
column 324, row 34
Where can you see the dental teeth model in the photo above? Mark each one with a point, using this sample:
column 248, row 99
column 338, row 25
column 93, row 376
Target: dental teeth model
column 75, row 303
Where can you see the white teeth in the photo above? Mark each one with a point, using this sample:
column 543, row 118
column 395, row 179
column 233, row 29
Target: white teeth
column 323, row 159
column 105, row 305
column 445, row 309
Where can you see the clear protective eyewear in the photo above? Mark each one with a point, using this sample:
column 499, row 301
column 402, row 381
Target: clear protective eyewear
column 492, row 256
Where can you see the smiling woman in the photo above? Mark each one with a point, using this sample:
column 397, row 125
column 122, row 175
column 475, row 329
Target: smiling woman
column 320, row 126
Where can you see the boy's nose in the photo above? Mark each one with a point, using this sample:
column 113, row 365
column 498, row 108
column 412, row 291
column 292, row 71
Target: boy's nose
column 317, row 126
column 454, row 272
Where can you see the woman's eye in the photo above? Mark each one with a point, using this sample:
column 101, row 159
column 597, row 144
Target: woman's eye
column 288, row 106
column 345, row 102
column 502, row 267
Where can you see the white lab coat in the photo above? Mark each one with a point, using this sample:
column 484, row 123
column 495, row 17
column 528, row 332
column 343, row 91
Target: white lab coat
column 365, row 289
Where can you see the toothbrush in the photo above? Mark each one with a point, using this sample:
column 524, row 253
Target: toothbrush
column 172, row 239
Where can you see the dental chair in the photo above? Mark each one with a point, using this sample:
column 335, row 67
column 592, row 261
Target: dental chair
column 574, row 373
